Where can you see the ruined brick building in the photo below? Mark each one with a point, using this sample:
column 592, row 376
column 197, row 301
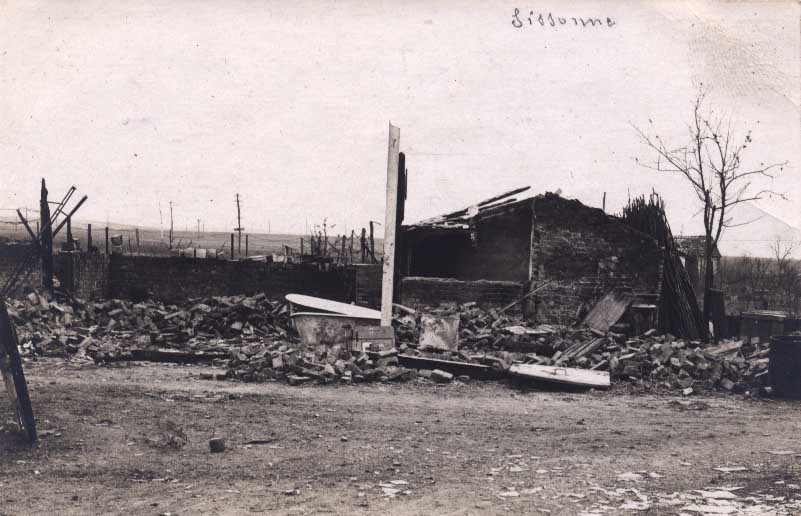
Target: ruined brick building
column 692, row 250
column 497, row 250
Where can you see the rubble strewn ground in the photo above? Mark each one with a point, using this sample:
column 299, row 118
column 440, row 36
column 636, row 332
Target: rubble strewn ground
column 107, row 328
column 185, row 439
column 133, row 438
column 260, row 344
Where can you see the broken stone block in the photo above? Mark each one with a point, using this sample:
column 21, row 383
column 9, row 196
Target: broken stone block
column 440, row 376
column 217, row 445
column 297, row 379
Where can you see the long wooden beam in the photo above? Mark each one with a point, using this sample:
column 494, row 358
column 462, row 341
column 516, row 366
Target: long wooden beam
column 28, row 227
column 70, row 214
column 388, row 281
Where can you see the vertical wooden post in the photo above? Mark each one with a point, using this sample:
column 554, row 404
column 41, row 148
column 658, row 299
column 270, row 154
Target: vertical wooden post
column 69, row 233
column 46, row 240
column 301, row 246
column 400, row 211
column 387, row 284
column 246, row 245
column 88, row 237
column 363, row 242
column 232, row 246
column 372, row 241
column 106, row 239
column 137, row 240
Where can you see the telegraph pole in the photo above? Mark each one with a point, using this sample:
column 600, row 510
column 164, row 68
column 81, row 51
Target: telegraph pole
column 239, row 227
column 171, row 222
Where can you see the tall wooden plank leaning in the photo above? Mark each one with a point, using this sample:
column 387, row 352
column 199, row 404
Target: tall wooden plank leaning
column 41, row 246
column 14, row 377
column 387, row 284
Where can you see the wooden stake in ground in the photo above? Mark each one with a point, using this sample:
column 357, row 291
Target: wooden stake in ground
column 46, row 240
column 389, row 226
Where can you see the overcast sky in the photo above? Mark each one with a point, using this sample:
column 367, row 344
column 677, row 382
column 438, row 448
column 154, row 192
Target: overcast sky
column 287, row 103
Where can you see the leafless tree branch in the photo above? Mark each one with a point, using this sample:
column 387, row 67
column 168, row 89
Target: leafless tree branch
column 711, row 162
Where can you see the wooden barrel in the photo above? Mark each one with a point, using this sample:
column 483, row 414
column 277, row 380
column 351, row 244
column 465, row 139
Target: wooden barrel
column 785, row 366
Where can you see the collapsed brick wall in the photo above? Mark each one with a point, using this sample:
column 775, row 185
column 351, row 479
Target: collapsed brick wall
column 86, row 275
column 419, row 291
column 11, row 256
column 586, row 253
column 175, row 279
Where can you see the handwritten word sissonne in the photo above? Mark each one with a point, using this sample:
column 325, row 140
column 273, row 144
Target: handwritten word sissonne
column 521, row 20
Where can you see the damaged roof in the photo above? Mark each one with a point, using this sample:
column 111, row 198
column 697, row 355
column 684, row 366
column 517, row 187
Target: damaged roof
column 460, row 219
column 693, row 245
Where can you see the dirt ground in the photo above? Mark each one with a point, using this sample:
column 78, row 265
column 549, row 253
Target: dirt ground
column 113, row 443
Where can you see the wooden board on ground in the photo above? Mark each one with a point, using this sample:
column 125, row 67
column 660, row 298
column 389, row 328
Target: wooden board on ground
column 607, row 312
column 477, row 371
column 562, row 375
column 169, row 356
column 317, row 304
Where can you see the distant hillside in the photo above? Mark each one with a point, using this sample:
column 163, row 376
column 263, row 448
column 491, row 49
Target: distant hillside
column 754, row 233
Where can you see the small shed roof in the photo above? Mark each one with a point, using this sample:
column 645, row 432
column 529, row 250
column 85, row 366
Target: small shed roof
column 693, row 245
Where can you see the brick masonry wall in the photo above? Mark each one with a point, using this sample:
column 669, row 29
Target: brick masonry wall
column 586, row 254
column 419, row 291
column 368, row 285
column 86, row 275
column 11, row 255
column 175, row 279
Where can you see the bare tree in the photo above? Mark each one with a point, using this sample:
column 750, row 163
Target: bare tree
column 783, row 251
column 711, row 163
column 788, row 275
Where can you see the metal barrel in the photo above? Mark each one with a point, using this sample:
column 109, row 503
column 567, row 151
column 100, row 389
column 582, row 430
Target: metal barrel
column 784, row 369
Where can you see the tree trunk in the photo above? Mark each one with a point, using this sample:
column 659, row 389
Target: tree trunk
column 708, row 284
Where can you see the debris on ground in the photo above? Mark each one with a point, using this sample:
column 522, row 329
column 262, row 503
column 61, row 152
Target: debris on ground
column 217, row 445
column 253, row 337
column 649, row 359
column 47, row 326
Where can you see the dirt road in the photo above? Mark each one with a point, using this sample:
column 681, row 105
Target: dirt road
column 134, row 440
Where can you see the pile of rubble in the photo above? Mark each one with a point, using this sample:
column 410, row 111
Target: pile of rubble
column 323, row 364
column 657, row 360
column 47, row 326
column 484, row 353
column 255, row 337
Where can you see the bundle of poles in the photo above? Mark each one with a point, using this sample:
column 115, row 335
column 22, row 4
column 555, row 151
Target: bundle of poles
column 678, row 307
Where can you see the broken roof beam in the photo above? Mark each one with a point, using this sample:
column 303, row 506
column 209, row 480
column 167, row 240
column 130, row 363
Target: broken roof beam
column 503, row 196
column 485, row 204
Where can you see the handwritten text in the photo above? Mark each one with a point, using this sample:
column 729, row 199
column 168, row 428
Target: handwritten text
column 520, row 20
